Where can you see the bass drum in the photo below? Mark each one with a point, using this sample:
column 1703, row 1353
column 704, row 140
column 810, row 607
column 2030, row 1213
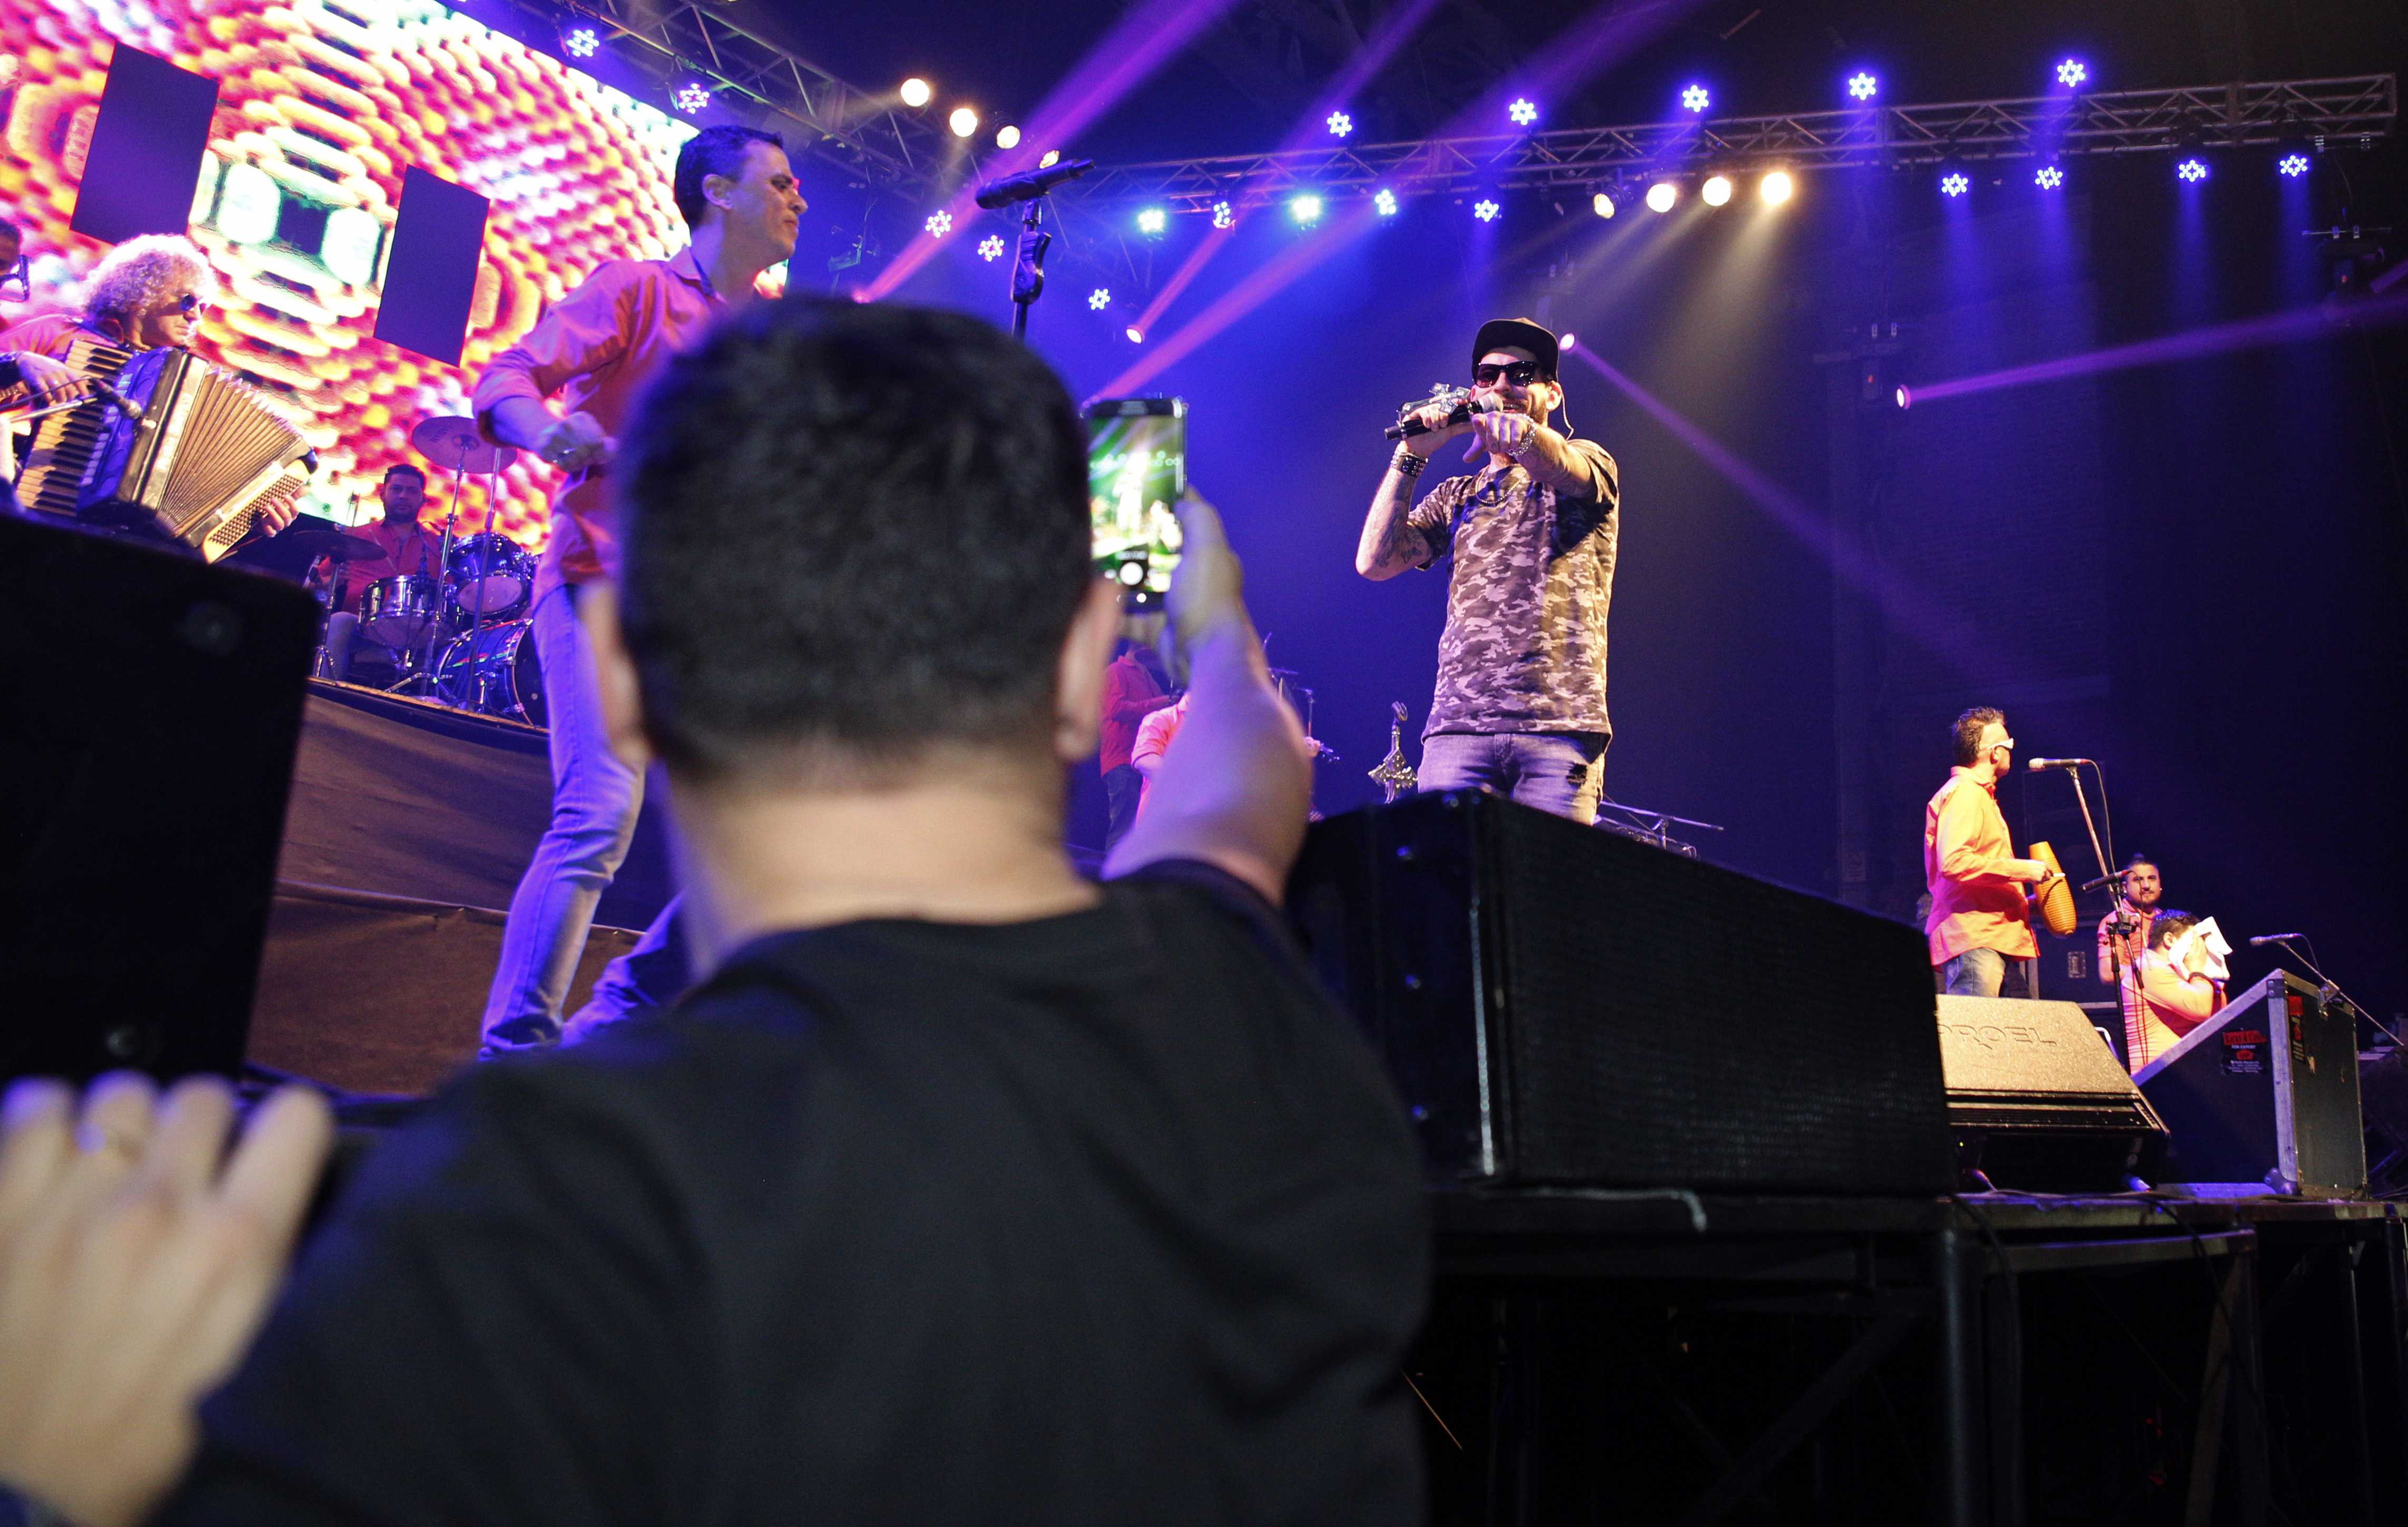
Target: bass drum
column 495, row 672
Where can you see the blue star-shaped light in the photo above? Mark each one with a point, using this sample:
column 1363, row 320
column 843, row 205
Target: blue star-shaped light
column 1101, row 298
column 1224, row 215
column 1486, row 211
column 1695, row 98
column 1862, row 85
column 691, row 97
column 1954, row 184
column 2191, row 170
column 1153, row 220
column 583, row 41
column 2293, row 166
column 991, row 247
column 1386, row 200
column 1340, row 124
column 939, row 224
column 1523, row 111
column 2070, row 73
column 2049, row 178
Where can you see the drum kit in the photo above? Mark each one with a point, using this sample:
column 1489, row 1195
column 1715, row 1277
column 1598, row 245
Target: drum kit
column 462, row 637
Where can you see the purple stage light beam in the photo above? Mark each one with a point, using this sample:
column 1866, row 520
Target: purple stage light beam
column 2281, row 328
column 1146, row 38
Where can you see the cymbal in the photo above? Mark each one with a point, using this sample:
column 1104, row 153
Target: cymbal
column 309, row 541
column 451, row 441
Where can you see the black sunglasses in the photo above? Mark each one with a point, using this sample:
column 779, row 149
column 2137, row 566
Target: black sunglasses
column 1521, row 374
column 191, row 306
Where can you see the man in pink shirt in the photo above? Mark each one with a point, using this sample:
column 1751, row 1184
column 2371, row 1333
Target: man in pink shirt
column 1980, row 924
column 1134, row 689
column 593, row 349
column 1155, row 736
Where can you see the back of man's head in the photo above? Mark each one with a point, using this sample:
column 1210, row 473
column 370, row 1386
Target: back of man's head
column 856, row 535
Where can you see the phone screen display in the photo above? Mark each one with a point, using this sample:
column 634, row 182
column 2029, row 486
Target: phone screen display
column 1137, row 468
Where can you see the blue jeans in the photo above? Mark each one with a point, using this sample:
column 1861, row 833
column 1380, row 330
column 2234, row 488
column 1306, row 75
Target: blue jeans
column 1554, row 771
column 1986, row 973
column 595, row 801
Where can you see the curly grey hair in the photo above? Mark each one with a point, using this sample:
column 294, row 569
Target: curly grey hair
column 143, row 272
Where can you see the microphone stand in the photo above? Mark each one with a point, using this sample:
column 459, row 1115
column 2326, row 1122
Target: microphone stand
column 2124, row 999
column 2332, row 988
column 1028, row 266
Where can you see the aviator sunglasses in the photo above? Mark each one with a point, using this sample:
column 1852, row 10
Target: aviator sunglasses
column 1521, row 374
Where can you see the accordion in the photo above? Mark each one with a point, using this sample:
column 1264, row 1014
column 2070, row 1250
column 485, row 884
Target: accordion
column 192, row 468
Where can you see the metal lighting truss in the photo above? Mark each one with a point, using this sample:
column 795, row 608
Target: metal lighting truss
column 1579, row 159
column 854, row 127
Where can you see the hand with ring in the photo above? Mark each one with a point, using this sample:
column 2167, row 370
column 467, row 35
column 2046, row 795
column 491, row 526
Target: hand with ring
column 1497, row 434
column 574, row 443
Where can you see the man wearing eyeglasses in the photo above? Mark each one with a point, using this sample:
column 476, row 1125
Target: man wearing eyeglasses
column 1980, row 924
column 1519, row 706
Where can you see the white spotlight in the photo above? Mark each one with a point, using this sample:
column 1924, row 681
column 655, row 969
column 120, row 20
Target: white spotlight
column 1777, row 188
column 964, row 121
column 1661, row 195
column 917, row 91
column 1716, row 191
column 1601, row 203
column 1007, row 138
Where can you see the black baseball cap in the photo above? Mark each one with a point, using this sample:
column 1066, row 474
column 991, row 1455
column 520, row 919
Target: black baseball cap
column 1518, row 333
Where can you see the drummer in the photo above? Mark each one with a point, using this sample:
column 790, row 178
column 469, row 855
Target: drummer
column 410, row 548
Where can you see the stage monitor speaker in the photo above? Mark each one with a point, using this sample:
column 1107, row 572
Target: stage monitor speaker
column 153, row 705
column 2039, row 1103
column 2263, row 1097
column 1564, row 1005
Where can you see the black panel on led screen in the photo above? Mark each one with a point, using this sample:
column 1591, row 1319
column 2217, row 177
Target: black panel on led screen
column 145, row 162
column 431, row 279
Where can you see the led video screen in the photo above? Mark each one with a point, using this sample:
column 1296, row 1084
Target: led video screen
column 322, row 109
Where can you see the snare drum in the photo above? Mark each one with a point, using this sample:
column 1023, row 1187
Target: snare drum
column 491, row 576
column 503, row 656
column 396, row 611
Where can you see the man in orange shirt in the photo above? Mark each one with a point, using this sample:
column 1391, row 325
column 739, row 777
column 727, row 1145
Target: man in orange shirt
column 2177, row 982
column 1980, row 924
column 409, row 547
column 595, row 348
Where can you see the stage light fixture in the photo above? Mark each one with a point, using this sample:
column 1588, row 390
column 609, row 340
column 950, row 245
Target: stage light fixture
column 582, row 41
column 1777, row 188
column 1340, row 124
column 1903, row 398
column 691, row 96
column 991, row 247
column 2191, row 170
column 1523, row 111
column 2048, row 177
column 2291, row 166
column 1224, row 215
column 1661, row 195
column 1136, row 334
column 1695, row 98
column 1863, row 86
column 2072, row 73
column 917, row 91
column 1153, row 220
column 1601, row 203
column 1304, row 208
column 1384, row 201
column 1566, row 342
column 1716, row 191
column 1099, row 299
column 964, row 121
column 1007, row 137
column 939, row 224
column 1052, row 157
column 1486, row 211
column 1954, row 183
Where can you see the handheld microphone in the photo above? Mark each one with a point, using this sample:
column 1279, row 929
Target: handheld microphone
column 115, row 399
column 2039, row 763
column 1030, row 184
column 2271, row 938
column 1478, row 403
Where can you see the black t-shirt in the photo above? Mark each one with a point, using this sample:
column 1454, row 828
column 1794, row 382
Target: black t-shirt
column 1107, row 1218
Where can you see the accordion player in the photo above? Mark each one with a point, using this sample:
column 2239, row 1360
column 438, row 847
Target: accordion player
column 183, row 451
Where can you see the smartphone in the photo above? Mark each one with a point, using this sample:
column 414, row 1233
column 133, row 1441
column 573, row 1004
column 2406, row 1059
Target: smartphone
column 1137, row 468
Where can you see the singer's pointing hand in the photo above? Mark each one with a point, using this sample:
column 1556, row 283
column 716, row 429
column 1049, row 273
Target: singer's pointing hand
column 1497, row 432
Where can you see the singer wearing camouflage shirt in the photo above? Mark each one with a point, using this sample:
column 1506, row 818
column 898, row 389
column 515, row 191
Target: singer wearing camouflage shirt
column 1520, row 700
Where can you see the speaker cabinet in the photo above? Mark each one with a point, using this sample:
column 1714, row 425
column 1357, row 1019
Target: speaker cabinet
column 152, row 707
column 2263, row 1097
column 2038, row 1102
column 1563, row 1006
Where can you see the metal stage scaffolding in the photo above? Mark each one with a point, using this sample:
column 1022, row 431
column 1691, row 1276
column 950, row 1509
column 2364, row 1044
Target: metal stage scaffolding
column 1587, row 159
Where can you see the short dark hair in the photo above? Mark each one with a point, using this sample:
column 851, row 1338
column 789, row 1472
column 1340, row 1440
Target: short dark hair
column 411, row 467
column 853, row 533
column 2168, row 926
column 2139, row 859
column 1966, row 732
column 714, row 150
